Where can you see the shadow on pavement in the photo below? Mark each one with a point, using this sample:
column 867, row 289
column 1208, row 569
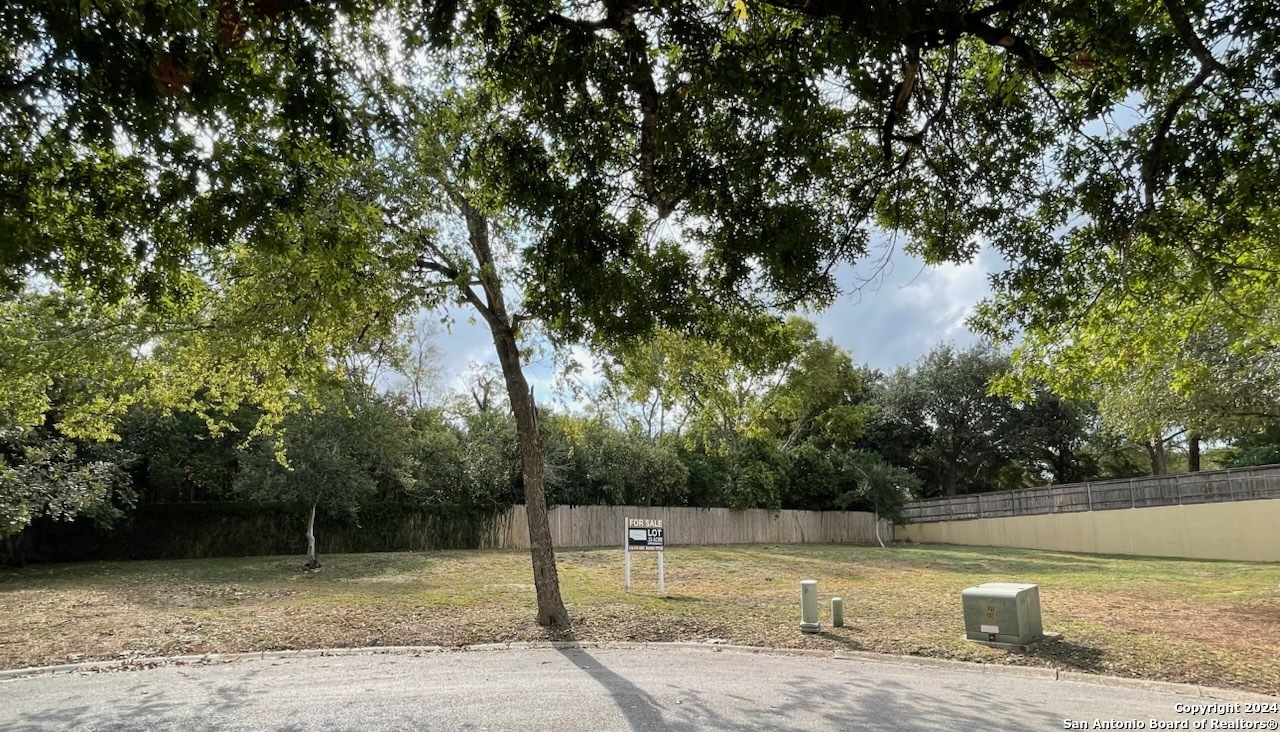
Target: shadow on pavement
column 642, row 712
column 141, row 708
column 830, row 695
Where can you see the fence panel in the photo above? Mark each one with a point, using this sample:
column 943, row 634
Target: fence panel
column 1237, row 484
column 592, row 526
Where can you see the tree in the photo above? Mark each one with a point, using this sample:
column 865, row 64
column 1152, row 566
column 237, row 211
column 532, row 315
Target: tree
column 491, row 458
column 463, row 245
column 141, row 139
column 745, row 408
column 887, row 488
column 42, row 474
column 1200, row 367
column 615, row 467
column 1051, row 438
column 339, row 457
column 420, row 368
column 178, row 459
column 1258, row 447
column 946, row 396
column 820, row 397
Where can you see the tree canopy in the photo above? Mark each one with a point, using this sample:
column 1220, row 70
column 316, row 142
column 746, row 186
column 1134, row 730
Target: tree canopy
column 717, row 151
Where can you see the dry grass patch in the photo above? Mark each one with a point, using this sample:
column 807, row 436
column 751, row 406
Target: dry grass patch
column 1215, row 623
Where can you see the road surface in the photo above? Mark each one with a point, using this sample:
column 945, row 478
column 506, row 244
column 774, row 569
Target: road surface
column 570, row 690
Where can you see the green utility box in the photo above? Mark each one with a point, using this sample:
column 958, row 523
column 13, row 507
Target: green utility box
column 1002, row 613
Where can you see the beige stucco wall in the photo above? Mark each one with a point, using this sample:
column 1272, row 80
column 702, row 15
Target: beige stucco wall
column 1244, row 530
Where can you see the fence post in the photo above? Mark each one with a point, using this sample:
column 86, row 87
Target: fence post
column 1088, row 490
column 979, row 505
column 1231, row 490
column 1177, row 487
column 1133, row 502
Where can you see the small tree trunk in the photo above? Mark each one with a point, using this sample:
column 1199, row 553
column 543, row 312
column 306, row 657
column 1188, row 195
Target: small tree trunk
column 877, row 520
column 312, row 563
column 1193, row 453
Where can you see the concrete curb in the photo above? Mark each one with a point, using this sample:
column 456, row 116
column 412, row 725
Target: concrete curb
column 138, row 663
column 1035, row 672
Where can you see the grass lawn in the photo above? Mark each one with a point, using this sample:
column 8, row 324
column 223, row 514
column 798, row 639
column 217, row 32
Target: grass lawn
column 1215, row 623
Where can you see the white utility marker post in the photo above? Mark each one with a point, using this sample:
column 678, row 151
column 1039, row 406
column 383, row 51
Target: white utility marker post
column 809, row 622
column 837, row 612
column 662, row 575
column 644, row 535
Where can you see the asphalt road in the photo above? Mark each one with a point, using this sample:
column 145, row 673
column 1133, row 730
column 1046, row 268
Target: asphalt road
column 568, row 690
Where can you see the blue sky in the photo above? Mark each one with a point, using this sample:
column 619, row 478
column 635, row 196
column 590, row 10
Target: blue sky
column 889, row 315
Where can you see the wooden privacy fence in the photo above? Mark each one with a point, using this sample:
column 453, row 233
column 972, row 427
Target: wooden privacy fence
column 1210, row 486
column 590, row 526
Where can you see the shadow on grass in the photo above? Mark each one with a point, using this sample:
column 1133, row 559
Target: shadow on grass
column 679, row 598
column 1075, row 655
column 848, row 643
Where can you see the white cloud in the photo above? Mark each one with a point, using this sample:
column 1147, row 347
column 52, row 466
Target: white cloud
column 896, row 316
column 890, row 315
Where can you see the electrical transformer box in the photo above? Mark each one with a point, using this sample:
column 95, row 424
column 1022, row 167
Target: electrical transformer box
column 1002, row 612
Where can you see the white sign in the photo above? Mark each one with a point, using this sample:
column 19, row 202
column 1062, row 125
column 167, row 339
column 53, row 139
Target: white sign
column 644, row 535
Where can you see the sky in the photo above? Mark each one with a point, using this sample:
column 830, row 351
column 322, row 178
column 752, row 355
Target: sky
column 889, row 316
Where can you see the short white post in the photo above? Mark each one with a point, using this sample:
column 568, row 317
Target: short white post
column 662, row 575
column 837, row 612
column 809, row 622
column 626, row 552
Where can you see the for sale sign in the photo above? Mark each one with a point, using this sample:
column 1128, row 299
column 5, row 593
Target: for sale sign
column 644, row 535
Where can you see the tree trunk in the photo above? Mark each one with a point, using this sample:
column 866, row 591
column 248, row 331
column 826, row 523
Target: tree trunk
column 1193, row 453
column 551, row 610
column 1155, row 452
column 311, row 540
column 876, row 518
column 546, row 581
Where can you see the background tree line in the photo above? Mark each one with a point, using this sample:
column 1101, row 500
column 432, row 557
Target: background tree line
column 674, row 421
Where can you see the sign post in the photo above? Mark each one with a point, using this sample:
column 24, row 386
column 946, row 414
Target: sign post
column 644, row 535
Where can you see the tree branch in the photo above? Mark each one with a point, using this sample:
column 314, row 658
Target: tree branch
column 971, row 24
column 1208, row 67
column 637, row 45
column 1188, row 35
column 994, row 8
column 902, row 97
column 10, row 86
column 993, row 36
column 485, row 311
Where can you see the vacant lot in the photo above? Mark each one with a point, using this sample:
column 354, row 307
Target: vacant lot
column 1215, row 623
